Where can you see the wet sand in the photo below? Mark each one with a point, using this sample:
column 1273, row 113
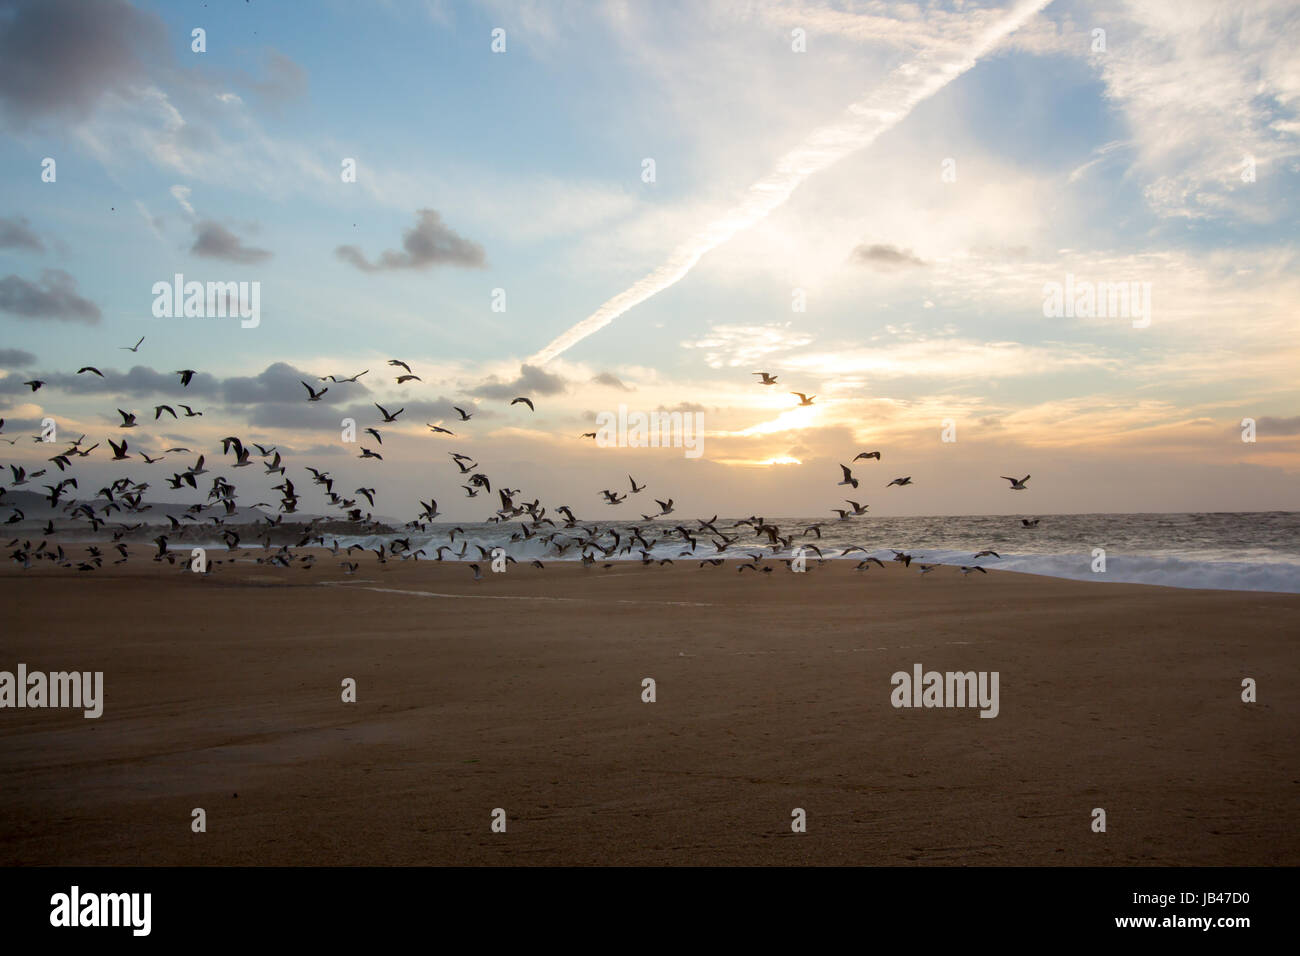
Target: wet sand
column 523, row 691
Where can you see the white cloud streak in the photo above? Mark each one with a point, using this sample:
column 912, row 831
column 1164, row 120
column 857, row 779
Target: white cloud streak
column 880, row 110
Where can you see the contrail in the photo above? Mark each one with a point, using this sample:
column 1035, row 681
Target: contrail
column 882, row 108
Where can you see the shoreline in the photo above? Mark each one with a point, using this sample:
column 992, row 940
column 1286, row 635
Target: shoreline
column 1121, row 569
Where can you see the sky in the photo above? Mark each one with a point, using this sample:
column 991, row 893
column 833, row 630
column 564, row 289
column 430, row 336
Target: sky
column 867, row 200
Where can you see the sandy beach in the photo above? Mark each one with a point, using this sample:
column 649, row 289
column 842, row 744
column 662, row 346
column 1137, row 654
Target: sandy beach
column 524, row 692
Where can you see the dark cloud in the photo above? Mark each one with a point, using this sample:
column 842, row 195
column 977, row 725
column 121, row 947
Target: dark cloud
column 58, row 57
column 16, row 358
column 889, row 257
column 280, row 382
column 16, row 426
column 430, row 242
column 301, row 414
column 137, row 383
column 215, row 241
column 420, row 411
column 531, row 381
column 313, row 450
column 608, row 378
column 53, row 297
column 15, row 234
column 1277, row 426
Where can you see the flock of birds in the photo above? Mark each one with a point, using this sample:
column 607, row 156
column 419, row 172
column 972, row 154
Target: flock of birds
column 761, row 541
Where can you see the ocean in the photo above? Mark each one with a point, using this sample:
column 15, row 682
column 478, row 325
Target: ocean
column 1246, row 551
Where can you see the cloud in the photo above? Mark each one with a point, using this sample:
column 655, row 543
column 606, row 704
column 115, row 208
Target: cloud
column 613, row 381
column 1099, row 155
column 53, row 297
column 182, row 196
column 285, row 80
column 879, row 110
column 950, row 358
column 298, row 413
column 1277, row 426
column 430, row 242
column 15, row 234
column 321, row 449
column 279, row 382
column 736, row 345
column 889, row 257
column 1206, row 90
column 15, row 425
column 155, row 223
column 418, row 411
column 16, row 358
column 531, row 381
column 214, row 241
column 58, row 58
column 138, row 382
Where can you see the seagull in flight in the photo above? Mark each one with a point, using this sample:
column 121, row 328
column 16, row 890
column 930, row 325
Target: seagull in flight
column 90, row 368
column 804, row 399
column 869, row 454
column 1029, row 522
column 399, row 364
column 848, row 477
column 314, row 396
column 439, row 428
column 768, row 378
column 128, row 419
column 186, row 374
column 1016, row 484
column 901, row 481
column 521, row 400
column 387, row 417
column 464, row 415
column 131, row 348
column 636, row 489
